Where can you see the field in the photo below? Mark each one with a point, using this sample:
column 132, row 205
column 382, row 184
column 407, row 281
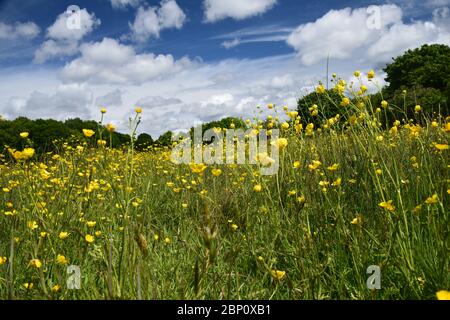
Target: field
column 347, row 196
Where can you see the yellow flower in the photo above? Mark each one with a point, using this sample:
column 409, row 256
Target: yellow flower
column 110, row 127
column 56, row 288
column 441, row 147
column 384, row 104
column 378, row 172
column 197, row 168
column 27, row 153
column 91, row 224
column 98, row 233
column 24, row 135
column 270, row 106
column 156, row 237
column 103, row 110
column 297, row 164
column 63, row 235
column 3, row 260
column 371, row 74
column 417, row 108
column 357, row 74
column 320, row 89
column 387, row 205
column 36, row 263
column 278, row 275
column 334, row 167
column 357, row 221
column 88, row 133
column 345, row 102
column 264, row 159
column 285, row 126
column 433, row 199
column 257, row 188
column 60, row 259
column 234, row 227
column 33, row 225
column 337, row 182
column 216, row 172
column 447, row 127
column 28, row 286
column 89, row 238
column 314, row 165
column 443, row 295
column 292, row 114
column 280, row 143
column 167, row 240
column 184, row 205
column 101, row 143
column 138, row 110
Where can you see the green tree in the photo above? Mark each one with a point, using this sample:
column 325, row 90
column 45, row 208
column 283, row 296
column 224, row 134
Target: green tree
column 143, row 141
column 427, row 66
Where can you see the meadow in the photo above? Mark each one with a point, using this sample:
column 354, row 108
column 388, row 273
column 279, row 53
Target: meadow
column 349, row 194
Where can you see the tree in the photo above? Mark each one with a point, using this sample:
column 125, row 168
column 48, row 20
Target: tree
column 424, row 74
column 428, row 66
column 143, row 141
column 165, row 139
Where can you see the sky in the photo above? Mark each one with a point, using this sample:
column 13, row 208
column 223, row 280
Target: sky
column 191, row 61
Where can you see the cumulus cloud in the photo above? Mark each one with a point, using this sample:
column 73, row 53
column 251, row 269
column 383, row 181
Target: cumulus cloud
column 63, row 41
column 27, row 30
column 157, row 101
column 68, row 101
column 149, row 22
column 216, row 10
column 111, row 99
column 122, row 4
column 111, row 62
column 284, row 81
column 377, row 32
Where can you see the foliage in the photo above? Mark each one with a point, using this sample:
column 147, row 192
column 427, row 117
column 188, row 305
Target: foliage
column 427, row 66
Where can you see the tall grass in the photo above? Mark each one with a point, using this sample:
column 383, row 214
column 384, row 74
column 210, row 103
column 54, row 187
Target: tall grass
column 378, row 197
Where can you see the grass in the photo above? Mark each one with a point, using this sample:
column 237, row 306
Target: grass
column 162, row 231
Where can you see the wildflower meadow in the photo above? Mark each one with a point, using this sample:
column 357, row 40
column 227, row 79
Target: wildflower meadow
column 88, row 221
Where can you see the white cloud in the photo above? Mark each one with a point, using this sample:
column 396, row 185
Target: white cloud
column 51, row 48
column 111, row 99
column 237, row 9
column 63, row 41
column 27, row 30
column 279, row 82
column 149, row 22
column 109, row 61
column 157, row 101
column 269, row 33
column 342, row 33
column 122, row 4
column 68, row 101
column 231, row 43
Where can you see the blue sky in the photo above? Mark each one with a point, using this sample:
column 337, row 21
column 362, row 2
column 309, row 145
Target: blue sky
column 190, row 61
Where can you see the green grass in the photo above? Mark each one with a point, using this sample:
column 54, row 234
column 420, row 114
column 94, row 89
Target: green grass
column 324, row 255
